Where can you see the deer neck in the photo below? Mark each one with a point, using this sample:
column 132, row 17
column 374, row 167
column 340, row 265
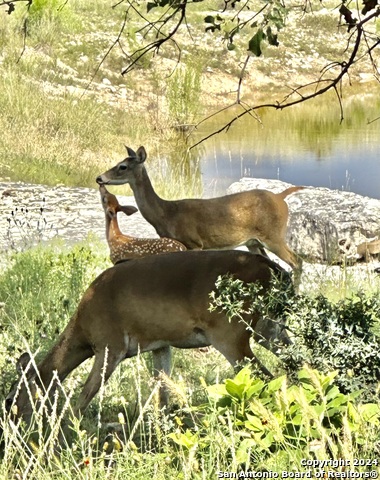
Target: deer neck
column 67, row 353
column 112, row 228
column 149, row 203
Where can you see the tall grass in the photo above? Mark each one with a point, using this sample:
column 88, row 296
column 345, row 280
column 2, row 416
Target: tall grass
column 49, row 139
column 53, row 130
column 123, row 433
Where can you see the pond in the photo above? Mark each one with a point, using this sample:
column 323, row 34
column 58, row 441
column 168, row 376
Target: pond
column 302, row 145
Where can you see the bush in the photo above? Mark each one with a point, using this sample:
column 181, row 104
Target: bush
column 260, row 421
column 328, row 336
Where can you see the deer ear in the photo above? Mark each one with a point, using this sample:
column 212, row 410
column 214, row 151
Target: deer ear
column 128, row 209
column 131, row 153
column 141, row 154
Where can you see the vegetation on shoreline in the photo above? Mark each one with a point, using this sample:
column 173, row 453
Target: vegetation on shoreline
column 67, row 111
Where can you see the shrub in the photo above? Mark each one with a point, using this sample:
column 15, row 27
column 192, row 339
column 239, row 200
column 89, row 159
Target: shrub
column 328, row 336
column 257, row 420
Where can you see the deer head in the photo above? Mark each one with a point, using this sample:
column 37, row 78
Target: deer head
column 119, row 175
column 111, row 204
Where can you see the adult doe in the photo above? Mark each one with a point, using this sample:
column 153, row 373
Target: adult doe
column 255, row 218
column 143, row 305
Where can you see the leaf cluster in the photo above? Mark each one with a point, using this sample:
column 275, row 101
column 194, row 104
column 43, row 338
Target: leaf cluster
column 327, row 336
column 266, row 418
column 266, row 23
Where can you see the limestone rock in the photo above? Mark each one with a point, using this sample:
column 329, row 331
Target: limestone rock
column 326, row 226
column 30, row 214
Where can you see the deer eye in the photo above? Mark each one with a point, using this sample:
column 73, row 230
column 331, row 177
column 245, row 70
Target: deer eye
column 123, row 166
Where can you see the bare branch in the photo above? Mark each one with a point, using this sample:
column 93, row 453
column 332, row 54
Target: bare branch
column 320, row 90
column 108, row 51
column 155, row 46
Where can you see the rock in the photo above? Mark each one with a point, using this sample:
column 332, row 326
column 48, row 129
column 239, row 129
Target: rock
column 326, row 226
column 30, row 214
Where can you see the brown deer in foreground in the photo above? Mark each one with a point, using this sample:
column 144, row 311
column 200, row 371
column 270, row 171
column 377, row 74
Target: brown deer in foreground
column 143, row 305
column 252, row 218
column 123, row 247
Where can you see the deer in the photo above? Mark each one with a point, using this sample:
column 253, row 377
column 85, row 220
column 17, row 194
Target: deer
column 143, row 305
column 124, row 247
column 367, row 250
column 256, row 218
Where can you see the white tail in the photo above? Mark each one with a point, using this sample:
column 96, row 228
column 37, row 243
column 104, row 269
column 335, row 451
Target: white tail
column 144, row 305
column 123, row 246
column 255, row 218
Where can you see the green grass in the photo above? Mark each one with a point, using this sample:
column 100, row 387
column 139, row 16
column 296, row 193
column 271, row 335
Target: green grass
column 123, row 433
column 55, row 132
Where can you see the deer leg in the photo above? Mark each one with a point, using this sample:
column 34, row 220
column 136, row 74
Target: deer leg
column 236, row 349
column 104, row 365
column 255, row 246
column 162, row 360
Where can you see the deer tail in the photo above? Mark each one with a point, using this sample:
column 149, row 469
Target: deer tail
column 289, row 191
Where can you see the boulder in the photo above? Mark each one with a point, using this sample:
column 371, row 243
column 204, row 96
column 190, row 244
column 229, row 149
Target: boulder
column 326, row 226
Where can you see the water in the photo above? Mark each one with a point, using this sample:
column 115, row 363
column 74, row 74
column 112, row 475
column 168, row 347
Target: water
column 304, row 145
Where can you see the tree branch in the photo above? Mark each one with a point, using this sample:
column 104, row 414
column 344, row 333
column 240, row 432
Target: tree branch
column 287, row 102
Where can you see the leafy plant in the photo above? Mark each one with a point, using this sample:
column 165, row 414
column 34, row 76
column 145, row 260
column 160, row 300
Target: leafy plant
column 184, row 94
column 327, row 336
column 264, row 419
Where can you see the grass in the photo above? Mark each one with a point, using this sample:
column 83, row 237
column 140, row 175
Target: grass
column 55, row 132
column 123, row 432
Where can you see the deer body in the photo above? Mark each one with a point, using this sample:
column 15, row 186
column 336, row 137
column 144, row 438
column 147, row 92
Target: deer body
column 244, row 218
column 145, row 305
column 123, row 246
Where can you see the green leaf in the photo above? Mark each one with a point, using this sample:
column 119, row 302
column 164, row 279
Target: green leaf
column 370, row 412
column 255, row 388
column 267, row 441
column 244, row 450
column 298, row 419
column 243, row 376
column 187, row 440
column 235, row 389
column 276, row 384
column 216, row 392
column 253, row 423
column 338, row 401
column 254, row 45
